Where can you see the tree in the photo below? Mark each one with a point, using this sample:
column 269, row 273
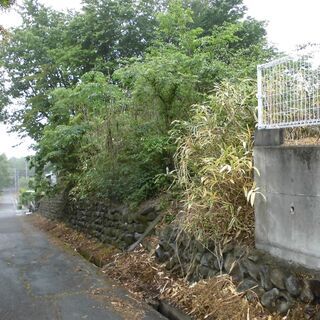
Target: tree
column 117, row 29
column 101, row 88
column 208, row 14
column 6, row 3
column 4, row 172
column 33, row 64
column 53, row 49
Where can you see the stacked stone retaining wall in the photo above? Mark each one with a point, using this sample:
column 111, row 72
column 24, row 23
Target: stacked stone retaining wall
column 278, row 285
column 53, row 207
column 109, row 223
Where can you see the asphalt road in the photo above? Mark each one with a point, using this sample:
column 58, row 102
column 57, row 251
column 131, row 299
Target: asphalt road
column 40, row 280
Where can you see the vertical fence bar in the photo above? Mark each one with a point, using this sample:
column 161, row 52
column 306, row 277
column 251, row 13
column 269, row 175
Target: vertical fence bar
column 259, row 96
column 289, row 90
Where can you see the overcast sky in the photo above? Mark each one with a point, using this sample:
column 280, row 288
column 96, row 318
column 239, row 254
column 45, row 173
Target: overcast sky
column 290, row 22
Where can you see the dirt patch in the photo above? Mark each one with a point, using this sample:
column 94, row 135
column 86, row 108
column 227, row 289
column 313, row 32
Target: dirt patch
column 90, row 248
column 129, row 310
column 217, row 299
column 149, row 281
column 303, row 141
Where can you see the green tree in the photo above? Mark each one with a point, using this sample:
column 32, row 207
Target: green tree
column 6, row 3
column 116, row 29
column 101, row 88
column 208, row 14
column 75, row 113
column 53, row 49
column 33, row 61
column 4, row 172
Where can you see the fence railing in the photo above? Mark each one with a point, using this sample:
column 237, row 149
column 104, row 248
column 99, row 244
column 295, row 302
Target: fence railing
column 289, row 90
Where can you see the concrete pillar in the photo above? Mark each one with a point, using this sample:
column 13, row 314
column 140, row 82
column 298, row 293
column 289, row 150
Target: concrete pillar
column 268, row 137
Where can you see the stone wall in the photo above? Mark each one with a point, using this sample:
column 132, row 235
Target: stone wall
column 288, row 213
column 53, row 207
column 109, row 223
column 257, row 275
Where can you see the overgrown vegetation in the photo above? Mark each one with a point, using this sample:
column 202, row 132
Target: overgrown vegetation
column 211, row 299
column 6, row 3
column 4, row 172
column 214, row 164
column 114, row 94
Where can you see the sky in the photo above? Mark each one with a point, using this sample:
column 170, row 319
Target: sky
column 290, row 23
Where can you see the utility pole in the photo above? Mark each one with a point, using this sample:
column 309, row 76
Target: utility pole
column 15, row 180
column 26, row 168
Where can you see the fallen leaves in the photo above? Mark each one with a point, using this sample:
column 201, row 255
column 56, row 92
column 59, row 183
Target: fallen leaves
column 212, row 299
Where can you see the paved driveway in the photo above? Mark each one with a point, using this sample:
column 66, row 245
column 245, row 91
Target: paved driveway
column 40, row 280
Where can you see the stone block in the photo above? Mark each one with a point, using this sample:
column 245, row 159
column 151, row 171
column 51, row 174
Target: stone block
column 140, row 228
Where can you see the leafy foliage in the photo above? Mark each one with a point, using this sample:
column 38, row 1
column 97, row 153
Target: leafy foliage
column 26, row 198
column 6, row 3
column 101, row 89
column 4, row 172
column 214, row 164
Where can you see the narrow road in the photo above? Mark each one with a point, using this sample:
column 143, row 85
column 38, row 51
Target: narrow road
column 40, row 280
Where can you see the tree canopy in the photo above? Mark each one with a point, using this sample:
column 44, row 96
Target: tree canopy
column 4, row 172
column 6, row 3
column 101, row 89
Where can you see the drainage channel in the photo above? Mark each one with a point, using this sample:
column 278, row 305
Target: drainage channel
column 163, row 307
column 169, row 311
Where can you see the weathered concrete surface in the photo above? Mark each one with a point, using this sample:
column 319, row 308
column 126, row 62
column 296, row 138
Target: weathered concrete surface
column 39, row 280
column 288, row 219
column 267, row 137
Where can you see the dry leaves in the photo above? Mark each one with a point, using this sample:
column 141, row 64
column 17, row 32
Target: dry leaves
column 213, row 299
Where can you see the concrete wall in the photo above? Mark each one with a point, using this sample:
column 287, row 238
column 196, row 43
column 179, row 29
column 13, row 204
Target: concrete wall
column 288, row 219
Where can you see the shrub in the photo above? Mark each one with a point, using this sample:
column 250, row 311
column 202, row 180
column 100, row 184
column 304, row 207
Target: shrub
column 214, row 164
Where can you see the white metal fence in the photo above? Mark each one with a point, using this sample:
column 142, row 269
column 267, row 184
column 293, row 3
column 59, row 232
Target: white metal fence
column 289, row 90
